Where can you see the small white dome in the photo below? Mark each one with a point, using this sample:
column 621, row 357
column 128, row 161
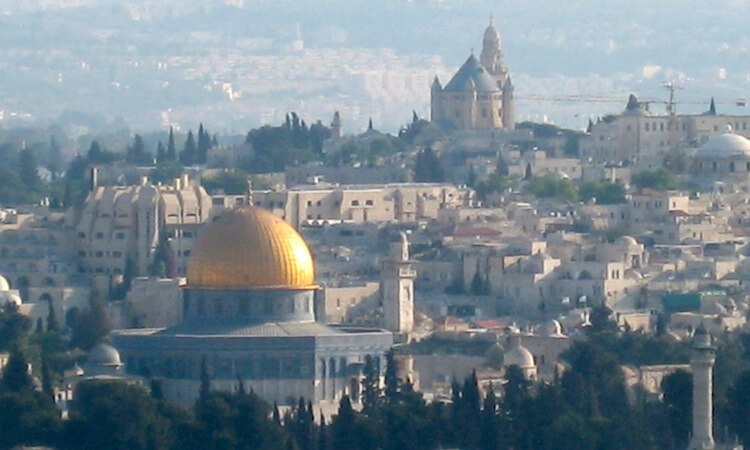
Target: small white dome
column 553, row 328
column 724, row 146
column 519, row 356
column 4, row 285
column 10, row 297
column 627, row 241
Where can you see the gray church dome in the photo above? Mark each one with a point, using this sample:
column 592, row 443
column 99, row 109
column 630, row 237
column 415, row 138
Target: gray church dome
column 724, row 146
column 104, row 355
column 472, row 76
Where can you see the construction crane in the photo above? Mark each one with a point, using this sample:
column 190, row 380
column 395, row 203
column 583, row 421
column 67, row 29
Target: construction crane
column 670, row 104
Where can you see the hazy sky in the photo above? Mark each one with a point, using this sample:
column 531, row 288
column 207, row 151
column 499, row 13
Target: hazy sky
column 554, row 49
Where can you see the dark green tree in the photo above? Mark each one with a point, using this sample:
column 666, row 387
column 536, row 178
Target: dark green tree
column 47, row 379
column 391, row 377
column 489, row 427
column 117, row 416
column 205, row 388
column 371, row 392
column 203, row 145
column 343, row 427
column 427, row 168
column 93, row 324
column 28, row 418
column 27, row 170
column 171, row 147
column 16, row 377
column 189, row 154
column 677, row 389
column 161, row 153
column 52, row 324
column 13, row 326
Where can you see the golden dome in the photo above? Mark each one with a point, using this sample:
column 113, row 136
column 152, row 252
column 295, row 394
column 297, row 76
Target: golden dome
column 250, row 248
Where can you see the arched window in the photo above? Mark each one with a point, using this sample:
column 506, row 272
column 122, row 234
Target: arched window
column 714, row 166
column 731, row 166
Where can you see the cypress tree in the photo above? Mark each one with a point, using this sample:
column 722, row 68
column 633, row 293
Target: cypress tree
column 204, row 143
column 161, row 153
column 488, row 427
column 276, row 414
column 52, row 324
column 343, row 426
column 371, row 388
column 27, row 169
column 391, row 377
column 322, row 433
column 47, row 381
column 171, row 148
column 189, row 153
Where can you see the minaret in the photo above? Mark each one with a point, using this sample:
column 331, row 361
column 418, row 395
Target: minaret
column 701, row 363
column 397, row 288
column 337, row 129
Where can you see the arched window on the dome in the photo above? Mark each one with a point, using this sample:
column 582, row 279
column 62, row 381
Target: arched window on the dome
column 731, row 166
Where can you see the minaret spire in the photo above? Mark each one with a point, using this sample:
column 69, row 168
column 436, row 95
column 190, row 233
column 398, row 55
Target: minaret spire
column 701, row 363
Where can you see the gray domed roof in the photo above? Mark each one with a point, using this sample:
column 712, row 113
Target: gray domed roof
column 472, row 76
column 519, row 356
column 104, row 355
column 724, row 146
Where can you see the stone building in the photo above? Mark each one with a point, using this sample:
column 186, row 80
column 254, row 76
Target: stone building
column 125, row 223
column 248, row 315
column 637, row 135
column 480, row 94
column 725, row 157
column 403, row 202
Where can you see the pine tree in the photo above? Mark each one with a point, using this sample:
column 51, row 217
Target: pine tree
column 171, row 148
column 205, row 388
column 16, row 377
